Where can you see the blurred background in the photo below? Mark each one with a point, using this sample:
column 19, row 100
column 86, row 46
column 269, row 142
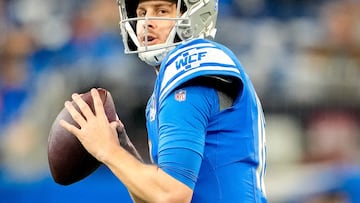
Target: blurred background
column 302, row 55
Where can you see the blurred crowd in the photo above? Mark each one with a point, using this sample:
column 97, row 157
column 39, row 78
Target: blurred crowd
column 303, row 57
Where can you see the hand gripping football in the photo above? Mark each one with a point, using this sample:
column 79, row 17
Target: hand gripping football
column 69, row 161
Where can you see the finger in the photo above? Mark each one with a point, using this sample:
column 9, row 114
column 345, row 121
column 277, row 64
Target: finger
column 71, row 128
column 98, row 104
column 120, row 124
column 76, row 116
column 83, row 106
column 114, row 125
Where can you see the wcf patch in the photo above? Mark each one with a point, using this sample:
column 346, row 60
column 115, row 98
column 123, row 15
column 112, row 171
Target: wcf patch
column 180, row 95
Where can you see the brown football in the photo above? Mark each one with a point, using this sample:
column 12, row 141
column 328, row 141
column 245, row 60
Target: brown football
column 69, row 161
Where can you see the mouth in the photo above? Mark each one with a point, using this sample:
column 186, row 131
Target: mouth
column 149, row 40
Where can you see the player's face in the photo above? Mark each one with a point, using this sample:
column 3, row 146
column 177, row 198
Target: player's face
column 157, row 30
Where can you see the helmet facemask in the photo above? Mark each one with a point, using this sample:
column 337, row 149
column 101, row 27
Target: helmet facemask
column 194, row 19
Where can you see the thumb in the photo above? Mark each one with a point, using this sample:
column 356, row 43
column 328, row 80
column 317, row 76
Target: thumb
column 119, row 121
column 116, row 125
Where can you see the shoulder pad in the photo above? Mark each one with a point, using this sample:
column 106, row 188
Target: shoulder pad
column 198, row 59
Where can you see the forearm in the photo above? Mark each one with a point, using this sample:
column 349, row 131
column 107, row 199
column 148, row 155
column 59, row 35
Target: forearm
column 146, row 182
column 128, row 146
column 136, row 199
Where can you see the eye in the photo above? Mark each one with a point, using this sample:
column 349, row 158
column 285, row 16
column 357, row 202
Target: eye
column 163, row 11
column 140, row 13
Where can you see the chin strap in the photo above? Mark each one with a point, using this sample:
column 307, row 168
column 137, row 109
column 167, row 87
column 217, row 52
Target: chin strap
column 155, row 54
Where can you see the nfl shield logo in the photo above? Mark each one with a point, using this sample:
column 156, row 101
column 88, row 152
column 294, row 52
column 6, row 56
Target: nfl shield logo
column 180, row 95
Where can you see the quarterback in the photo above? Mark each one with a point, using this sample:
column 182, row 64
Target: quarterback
column 205, row 123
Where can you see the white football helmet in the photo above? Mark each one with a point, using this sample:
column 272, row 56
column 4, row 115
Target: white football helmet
column 194, row 19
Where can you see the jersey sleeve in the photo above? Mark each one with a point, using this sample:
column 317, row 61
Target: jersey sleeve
column 183, row 117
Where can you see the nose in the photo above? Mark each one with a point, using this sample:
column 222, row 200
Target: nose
column 147, row 23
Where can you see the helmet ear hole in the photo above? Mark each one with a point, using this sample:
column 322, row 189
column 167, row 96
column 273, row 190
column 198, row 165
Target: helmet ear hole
column 185, row 30
column 187, row 33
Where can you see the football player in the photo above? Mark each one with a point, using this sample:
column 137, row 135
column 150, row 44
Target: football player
column 205, row 123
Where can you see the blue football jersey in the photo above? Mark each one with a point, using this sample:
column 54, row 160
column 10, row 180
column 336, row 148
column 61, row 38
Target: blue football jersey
column 219, row 153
